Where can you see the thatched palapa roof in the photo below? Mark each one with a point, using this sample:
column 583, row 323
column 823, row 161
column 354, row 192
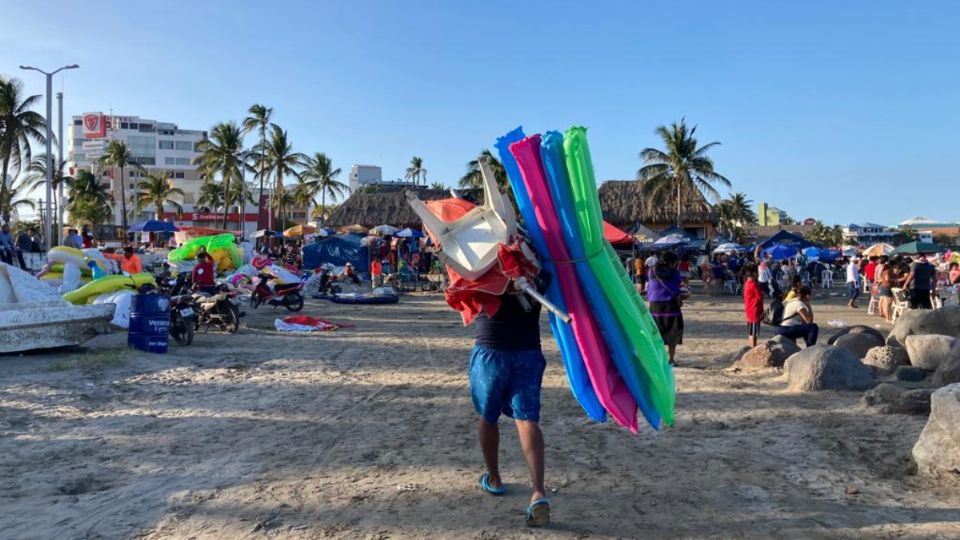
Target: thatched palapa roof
column 623, row 204
column 386, row 205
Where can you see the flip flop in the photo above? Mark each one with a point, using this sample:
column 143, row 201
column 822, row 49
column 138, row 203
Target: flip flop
column 538, row 513
column 484, row 484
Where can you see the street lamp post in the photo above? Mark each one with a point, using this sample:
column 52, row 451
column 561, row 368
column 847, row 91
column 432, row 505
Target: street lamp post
column 48, row 214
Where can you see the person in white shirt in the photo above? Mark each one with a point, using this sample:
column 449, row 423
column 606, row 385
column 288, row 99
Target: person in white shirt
column 853, row 282
column 764, row 278
column 797, row 319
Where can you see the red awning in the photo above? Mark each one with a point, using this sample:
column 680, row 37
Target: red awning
column 615, row 236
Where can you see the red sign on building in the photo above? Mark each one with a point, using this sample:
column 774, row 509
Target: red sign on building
column 94, row 126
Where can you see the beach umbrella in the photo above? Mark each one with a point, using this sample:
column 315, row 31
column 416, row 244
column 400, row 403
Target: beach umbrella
column 322, row 231
column 913, row 248
column 877, row 250
column 153, row 225
column 729, row 247
column 813, row 252
column 409, row 233
column 264, row 233
column 615, row 236
column 848, row 251
column 781, row 252
column 830, row 254
column 671, row 239
column 356, row 228
column 384, row 230
column 299, row 230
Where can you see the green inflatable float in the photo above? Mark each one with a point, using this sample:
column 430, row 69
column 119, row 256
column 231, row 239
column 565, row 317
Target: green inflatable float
column 630, row 309
column 222, row 247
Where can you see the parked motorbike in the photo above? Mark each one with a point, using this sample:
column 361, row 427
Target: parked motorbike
column 182, row 309
column 220, row 309
column 289, row 295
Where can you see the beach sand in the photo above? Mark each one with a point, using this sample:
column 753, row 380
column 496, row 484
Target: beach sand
column 369, row 432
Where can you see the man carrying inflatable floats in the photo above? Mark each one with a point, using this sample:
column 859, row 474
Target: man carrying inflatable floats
column 611, row 348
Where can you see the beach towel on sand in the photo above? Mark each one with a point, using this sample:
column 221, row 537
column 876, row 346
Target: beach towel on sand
column 304, row 323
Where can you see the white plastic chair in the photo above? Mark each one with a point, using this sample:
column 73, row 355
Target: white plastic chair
column 901, row 304
column 826, row 279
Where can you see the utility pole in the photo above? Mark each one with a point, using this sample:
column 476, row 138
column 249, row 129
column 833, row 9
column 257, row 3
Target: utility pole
column 48, row 213
column 60, row 160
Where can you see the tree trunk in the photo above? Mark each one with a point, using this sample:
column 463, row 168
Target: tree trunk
column 679, row 205
column 226, row 199
column 323, row 207
column 3, row 187
column 243, row 205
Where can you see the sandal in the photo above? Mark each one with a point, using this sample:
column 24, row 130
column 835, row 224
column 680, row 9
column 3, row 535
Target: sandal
column 538, row 513
column 484, row 484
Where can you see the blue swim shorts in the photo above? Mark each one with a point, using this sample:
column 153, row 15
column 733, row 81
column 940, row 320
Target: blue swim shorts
column 507, row 382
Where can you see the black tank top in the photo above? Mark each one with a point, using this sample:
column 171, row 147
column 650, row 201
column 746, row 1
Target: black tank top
column 512, row 328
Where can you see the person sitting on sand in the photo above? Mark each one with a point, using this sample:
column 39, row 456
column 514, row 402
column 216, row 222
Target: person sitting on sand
column 752, row 302
column 797, row 319
column 349, row 274
column 506, row 373
column 204, row 274
column 130, row 263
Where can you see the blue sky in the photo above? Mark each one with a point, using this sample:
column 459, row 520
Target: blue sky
column 842, row 111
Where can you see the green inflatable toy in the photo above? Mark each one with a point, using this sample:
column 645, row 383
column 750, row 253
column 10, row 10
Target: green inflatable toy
column 629, row 308
column 222, row 247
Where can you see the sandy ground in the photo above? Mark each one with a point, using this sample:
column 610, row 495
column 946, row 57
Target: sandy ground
column 368, row 432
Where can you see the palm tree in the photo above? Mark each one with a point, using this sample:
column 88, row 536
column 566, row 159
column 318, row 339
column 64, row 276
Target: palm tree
column 736, row 212
column 321, row 178
column 18, row 127
column 210, row 195
column 88, row 199
column 259, row 119
column 156, row 190
column 438, row 186
column 683, row 167
column 281, row 200
column 118, row 154
column 474, row 179
column 416, row 171
column 37, row 171
column 221, row 154
column 15, row 196
column 282, row 161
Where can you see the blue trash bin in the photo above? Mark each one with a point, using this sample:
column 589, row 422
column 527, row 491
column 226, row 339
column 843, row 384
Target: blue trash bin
column 149, row 323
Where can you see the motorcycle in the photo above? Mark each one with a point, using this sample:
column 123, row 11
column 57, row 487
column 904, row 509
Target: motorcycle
column 289, row 295
column 182, row 309
column 323, row 284
column 220, row 309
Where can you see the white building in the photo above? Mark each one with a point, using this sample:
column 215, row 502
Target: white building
column 364, row 175
column 868, row 234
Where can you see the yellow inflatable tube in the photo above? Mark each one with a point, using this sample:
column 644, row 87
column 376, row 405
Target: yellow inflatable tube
column 64, row 254
column 107, row 284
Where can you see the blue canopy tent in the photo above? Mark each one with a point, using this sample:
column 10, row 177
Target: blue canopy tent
column 153, row 225
column 338, row 250
column 786, row 238
column 780, row 252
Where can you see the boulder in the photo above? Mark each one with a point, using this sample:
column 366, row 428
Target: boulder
column 858, row 343
column 732, row 357
column 769, row 354
column 937, row 452
column 825, row 367
column 948, row 372
column 885, row 359
column 944, row 321
column 856, row 329
column 892, row 399
column 910, row 374
column 927, row 351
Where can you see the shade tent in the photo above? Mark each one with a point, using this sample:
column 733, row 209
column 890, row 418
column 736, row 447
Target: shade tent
column 337, row 250
column 153, row 225
column 914, row 248
column 384, row 230
column 813, row 252
column 615, row 236
column 672, row 240
column 780, row 252
column 323, row 231
column 356, row 228
column 786, row 238
column 729, row 247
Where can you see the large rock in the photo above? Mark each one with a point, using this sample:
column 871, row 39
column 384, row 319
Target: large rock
column 825, row 367
column 858, row 343
column 769, row 354
column 885, row 359
column 928, row 351
column 732, row 357
column 910, row 374
column 948, row 372
column 856, row 329
column 944, row 321
column 937, row 452
column 892, row 399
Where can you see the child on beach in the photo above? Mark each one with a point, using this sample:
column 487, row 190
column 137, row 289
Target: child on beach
column 506, row 372
column 752, row 303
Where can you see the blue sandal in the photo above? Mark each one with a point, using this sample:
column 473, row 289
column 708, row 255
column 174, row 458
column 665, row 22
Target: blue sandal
column 484, row 484
column 538, row 513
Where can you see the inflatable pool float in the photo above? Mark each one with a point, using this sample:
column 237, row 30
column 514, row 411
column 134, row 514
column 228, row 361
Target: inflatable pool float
column 360, row 298
column 107, row 284
column 572, row 339
column 222, row 247
column 625, row 375
column 628, row 307
column 64, row 254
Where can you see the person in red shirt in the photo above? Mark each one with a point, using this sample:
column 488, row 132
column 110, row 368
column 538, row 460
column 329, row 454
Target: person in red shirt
column 204, row 274
column 870, row 270
column 376, row 269
column 752, row 303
